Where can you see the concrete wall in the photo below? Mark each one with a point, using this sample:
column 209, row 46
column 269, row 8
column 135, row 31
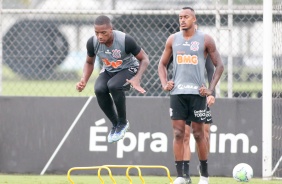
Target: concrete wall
column 33, row 127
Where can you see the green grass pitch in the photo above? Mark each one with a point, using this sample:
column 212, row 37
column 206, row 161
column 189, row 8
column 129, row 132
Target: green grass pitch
column 87, row 179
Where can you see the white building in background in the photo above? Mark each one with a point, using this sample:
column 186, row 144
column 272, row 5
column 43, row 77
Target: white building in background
column 119, row 4
column 70, row 4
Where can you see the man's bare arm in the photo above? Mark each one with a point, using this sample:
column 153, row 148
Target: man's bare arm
column 162, row 67
column 87, row 71
column 212, row 51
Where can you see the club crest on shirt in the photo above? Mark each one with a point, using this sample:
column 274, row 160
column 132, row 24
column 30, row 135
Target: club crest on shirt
column 116, row 53
column 194, row 46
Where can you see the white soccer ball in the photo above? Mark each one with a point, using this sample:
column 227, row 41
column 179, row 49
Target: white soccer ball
column 242, row 172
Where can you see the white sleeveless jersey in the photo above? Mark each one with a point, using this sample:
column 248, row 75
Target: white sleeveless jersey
column 188, row 63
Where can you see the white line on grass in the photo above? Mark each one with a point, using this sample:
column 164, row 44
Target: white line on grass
column 66, row 135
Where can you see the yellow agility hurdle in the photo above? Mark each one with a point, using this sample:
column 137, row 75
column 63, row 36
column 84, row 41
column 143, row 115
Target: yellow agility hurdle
column 127, row 171
column 128, row 168
column 155, row 166
column 139, row 171
column 91, row 168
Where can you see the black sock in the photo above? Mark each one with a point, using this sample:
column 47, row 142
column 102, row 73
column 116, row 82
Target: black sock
column 186, row 168
column 204, row 168
column 179, row 165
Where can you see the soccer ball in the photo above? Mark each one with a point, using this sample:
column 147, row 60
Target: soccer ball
column 242, row 172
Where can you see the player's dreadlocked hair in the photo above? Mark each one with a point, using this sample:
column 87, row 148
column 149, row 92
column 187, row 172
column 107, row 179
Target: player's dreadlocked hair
column 102, row 19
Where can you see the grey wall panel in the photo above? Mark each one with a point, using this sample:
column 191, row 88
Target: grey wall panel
column 32, row 128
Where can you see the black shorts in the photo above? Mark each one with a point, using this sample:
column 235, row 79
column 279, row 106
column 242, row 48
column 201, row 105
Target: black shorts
column 208, row 118
column 188, row 106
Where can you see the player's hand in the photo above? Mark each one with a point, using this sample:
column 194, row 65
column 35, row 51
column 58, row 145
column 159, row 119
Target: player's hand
column 80, row 85
column 135, row 83
column 210, row 100
column 205, row 91
column 169, row 86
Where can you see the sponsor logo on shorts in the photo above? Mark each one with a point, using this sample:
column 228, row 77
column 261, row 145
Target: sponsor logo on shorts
column 200, row 114
column 208, row 114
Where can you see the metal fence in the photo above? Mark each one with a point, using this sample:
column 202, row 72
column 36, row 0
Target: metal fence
column 44, row 42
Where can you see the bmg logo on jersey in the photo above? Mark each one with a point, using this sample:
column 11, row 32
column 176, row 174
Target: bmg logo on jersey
column 187, row 59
